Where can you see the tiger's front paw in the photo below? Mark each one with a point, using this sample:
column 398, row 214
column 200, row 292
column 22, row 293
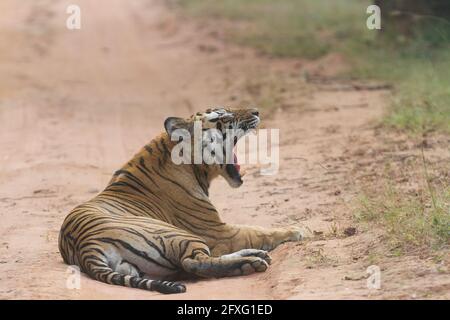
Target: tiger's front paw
column 295, row 234
column 288, row 234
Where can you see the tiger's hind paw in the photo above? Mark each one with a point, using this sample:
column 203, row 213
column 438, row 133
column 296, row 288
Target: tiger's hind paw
column 167, row 287
column 254, row 264
column 254, row 253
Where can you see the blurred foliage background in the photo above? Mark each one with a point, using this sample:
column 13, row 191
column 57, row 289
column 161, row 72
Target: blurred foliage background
column 411, row 51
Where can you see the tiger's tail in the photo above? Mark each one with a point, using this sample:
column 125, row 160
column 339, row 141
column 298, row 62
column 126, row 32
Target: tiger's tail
column 101, row 271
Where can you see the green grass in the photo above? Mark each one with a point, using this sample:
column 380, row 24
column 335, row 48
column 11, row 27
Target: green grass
column 312, row 28
column 410, row 221
column 421, row 79
column 414, row 219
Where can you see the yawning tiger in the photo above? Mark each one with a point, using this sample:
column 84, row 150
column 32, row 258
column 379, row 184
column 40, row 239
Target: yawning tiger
column 154, row 221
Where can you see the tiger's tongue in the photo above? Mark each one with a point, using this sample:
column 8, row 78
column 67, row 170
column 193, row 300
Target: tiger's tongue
column 236, row 165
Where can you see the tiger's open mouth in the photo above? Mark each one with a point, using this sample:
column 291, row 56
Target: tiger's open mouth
column 234, row 169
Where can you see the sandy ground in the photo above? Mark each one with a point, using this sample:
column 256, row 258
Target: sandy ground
column 76, row 105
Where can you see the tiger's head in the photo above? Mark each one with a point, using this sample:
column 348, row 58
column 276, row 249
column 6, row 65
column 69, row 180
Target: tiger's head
column 218, row 130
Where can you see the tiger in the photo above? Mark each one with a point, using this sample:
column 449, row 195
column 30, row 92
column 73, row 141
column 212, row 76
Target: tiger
column 154, row 224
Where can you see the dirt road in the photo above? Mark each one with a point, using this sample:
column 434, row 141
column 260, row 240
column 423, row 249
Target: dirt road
column 76, row 104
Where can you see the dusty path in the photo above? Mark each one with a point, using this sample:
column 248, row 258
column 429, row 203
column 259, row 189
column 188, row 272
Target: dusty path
column 75, row 105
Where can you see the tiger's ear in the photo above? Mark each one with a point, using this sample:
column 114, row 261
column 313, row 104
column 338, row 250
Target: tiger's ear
column 173, row 123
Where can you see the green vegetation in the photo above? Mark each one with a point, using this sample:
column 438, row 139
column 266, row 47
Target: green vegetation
column 410, row 221
column 413, row 219
column 421, row 78
column 312, row 28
